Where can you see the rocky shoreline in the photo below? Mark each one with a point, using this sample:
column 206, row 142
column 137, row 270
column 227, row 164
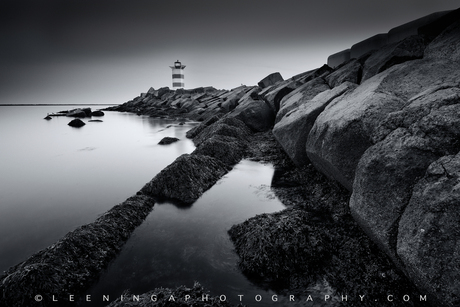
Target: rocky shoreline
column 367, row 161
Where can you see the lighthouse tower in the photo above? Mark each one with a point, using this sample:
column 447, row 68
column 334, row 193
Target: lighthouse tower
column 177, row 75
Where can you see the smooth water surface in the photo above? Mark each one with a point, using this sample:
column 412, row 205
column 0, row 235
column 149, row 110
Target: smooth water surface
column 54, row 178
column 177, row 246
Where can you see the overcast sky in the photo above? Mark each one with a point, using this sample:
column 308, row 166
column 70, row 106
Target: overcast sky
column 109, row 51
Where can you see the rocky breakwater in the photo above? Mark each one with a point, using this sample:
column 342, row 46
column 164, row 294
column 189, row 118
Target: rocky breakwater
column 68, row 268
column 388, row 129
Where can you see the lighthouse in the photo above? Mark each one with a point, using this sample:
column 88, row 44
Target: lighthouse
column 177, row 75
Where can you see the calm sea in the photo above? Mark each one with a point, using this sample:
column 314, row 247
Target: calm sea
column 54, row 178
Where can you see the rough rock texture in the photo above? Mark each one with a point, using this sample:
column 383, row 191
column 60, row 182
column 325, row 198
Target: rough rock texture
column 350, row 71
column 76, row 260
column 227, row 126
column 186, row 179
column 270, row 80
column 408, row 49
column 256, row 114
column 301, row 95
column 197, row 129
column 429, row 232
column 182, row 297
column 446, row 45
column 344, row 130
column 76, row 123
column 230, row 150
column 413, row 220
column 293, row 129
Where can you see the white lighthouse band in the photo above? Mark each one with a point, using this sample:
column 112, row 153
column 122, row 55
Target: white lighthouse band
column 178, row 75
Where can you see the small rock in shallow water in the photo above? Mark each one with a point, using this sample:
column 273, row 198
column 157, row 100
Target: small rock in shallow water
column 168, row 140
column 76, row 123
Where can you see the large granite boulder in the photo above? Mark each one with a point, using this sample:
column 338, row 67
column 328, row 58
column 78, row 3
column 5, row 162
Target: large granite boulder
column 425, row 130
column 415, row 221
column 428, row 235
column 301, row 95
column 293, row 129
column 186, row 179
column 446, row 46
column 350, row 71
column 408, row 49
column 273, row 94
column 345, row 129
column 256, row 114
column 270, row 80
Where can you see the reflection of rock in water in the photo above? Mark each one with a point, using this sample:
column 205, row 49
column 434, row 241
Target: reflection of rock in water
column 263, row 192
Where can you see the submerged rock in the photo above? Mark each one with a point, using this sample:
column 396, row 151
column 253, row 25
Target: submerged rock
column 76, row 123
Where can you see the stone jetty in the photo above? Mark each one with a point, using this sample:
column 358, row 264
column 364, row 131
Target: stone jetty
column 382, row 120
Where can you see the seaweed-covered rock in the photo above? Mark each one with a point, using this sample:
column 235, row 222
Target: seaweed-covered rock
column 197, row 129
column 227, row 149
column 227, row 126
column 179, row 297
column 74, row 262
column 186, row 179
column 278, row 245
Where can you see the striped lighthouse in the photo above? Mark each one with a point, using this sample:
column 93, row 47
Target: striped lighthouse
column 177, row 75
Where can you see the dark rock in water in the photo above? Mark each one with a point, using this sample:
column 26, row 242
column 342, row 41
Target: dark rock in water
column 186, row 179
column 95, row 120
column 97, row 113
column 76, row 113
column 48, row 117
column 168, row 140
column 227, row 149
column 76, row 123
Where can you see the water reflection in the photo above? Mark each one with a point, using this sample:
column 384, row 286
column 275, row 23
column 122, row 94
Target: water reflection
column 175, row 246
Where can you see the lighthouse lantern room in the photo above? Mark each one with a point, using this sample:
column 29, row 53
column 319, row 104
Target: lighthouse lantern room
column 177, row 75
